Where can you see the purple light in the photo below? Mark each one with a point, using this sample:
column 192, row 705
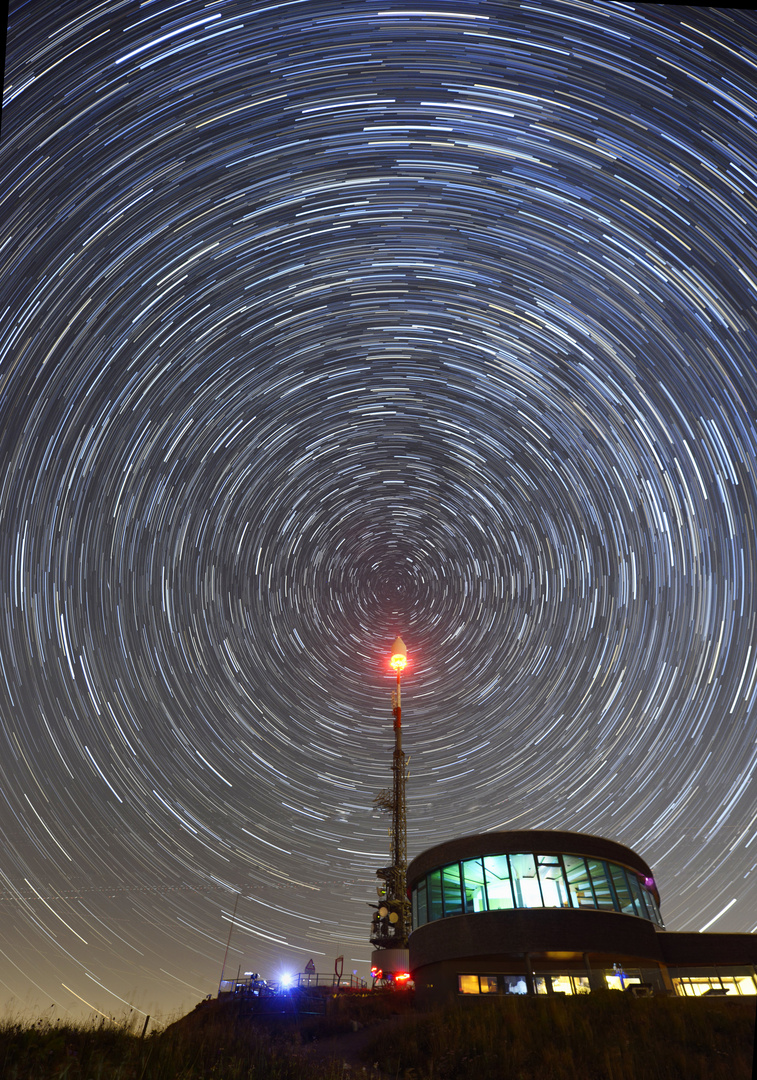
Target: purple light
column 649, row 882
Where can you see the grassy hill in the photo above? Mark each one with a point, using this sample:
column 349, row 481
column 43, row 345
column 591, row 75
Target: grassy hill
column 607, row 1036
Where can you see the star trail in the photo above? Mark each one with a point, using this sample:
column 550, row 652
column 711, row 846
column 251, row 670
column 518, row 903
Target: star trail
column 325, row 322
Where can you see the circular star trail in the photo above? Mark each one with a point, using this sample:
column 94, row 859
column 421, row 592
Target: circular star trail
column 324, row 322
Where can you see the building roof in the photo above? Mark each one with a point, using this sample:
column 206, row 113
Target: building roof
column 536, row 841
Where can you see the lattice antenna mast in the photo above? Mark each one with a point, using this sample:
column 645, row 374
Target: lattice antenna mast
column 392, row 921
column 399, row 771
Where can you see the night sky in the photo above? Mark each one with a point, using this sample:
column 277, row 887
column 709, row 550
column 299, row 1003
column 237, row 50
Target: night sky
column 322, row 322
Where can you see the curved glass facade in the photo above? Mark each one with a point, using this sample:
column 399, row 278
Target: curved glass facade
column 500, row 882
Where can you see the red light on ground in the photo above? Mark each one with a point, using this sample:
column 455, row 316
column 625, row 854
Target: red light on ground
column 402, row 976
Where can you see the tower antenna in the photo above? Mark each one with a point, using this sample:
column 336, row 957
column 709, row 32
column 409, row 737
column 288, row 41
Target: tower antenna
column 392, row 918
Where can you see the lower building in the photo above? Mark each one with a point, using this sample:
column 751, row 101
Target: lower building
column 542, row 912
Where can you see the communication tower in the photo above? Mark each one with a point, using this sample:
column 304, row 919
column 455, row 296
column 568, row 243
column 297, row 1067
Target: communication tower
column 392, row 918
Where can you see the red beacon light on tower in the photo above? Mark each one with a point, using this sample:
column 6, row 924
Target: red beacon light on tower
column 399, row 656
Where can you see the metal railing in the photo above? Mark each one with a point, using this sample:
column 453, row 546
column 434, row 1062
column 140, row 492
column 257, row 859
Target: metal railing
column 306, row 981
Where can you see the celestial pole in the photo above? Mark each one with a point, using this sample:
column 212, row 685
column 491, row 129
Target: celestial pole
column 322, row 320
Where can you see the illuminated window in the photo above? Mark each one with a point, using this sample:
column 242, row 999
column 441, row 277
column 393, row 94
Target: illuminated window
column 473, row 885
column 730, row 982
column 622, row 890
column 553, row 888
column 652, row 905
column 561, row 984
column 695, row 987
column 477, row 984
column 620, row 978
column 420, row 912
column 453, row 897
column 602, row 891
column 638, row 896
column 525, row 881
column 498, row 888
column 579, row 883
column 435, row 910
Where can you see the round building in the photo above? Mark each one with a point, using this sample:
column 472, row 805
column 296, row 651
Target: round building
column 541, row 912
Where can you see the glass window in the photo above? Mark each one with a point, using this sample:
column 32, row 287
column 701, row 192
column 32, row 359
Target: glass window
column 693, row 982
column 515, row 984
column 602, row 891
column 473, row 885
column 467, row 984
column 453, row 897
column 420, row 913
column 435, row 910
column 477, row 984
column 553, row 888
column 579, row 883
column 498, row 888
column 636, row 892
column 745, row 984
column 620, row 979
column 622, row 890
column 658, row 913
column 525, row 881
column 568, row 984
column 652, row 906
column 696, row 986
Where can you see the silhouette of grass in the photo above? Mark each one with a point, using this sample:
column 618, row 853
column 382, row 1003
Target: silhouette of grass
column 602, row 1036
column 222, row 1050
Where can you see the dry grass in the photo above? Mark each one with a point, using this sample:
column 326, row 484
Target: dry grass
column 221, row 1050
column 604, row 1036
